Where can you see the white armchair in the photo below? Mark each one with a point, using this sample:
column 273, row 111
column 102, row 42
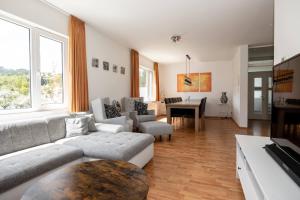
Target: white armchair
column 128, row 105
column 101, row 118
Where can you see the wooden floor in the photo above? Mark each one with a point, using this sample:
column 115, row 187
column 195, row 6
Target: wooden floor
column 198, row 166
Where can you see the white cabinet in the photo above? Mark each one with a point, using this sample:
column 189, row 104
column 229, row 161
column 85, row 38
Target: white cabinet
column 260, row 176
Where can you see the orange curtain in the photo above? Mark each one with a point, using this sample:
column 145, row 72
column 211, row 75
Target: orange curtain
column 135, row 82
column 156, row 77
column 78, row 82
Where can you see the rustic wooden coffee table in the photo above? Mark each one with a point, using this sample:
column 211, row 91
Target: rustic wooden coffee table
column 101, row 180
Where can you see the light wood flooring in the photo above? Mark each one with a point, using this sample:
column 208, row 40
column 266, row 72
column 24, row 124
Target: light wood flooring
column 198, row 166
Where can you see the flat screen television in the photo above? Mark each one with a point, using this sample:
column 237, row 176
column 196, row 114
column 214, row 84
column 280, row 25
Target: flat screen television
column 285, row 125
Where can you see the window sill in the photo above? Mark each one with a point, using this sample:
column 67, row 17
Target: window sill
column 150, row 101
column 30, row 114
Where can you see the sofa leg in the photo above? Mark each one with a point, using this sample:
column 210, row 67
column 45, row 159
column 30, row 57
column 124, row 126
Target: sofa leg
column 170, row 136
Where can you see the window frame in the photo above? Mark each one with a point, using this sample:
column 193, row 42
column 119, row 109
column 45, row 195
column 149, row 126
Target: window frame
column 149, row 83
column 34, row 61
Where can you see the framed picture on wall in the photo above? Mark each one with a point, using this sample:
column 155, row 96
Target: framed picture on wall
column 122, row 70
column 115, row 68
column 105, row 65
column 95, row 62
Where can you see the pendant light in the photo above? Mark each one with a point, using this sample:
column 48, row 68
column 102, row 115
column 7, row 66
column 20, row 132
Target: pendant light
column 187, row 78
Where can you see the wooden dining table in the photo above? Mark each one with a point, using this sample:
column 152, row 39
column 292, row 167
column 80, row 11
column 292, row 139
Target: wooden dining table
column 192, row 104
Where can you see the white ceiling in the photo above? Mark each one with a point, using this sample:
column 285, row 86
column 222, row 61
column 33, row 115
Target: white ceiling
column 211, row 29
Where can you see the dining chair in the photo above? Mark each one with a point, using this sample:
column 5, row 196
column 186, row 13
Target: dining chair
column 190, row 113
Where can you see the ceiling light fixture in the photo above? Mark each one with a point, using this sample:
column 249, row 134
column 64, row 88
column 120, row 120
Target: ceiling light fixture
column 187, row 78
column 175, row 38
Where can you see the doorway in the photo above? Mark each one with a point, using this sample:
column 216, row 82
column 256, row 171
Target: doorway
column 260, row 95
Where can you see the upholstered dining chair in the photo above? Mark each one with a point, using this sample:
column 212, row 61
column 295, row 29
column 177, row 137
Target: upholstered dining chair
column 175, row 113
column 191, row 113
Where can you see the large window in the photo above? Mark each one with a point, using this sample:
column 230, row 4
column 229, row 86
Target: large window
column 31, row 67
column 51, row 59
column 146, row 83
column 14, row 66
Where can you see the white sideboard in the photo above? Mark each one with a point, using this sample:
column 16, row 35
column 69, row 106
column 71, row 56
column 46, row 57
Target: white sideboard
column 260, row 176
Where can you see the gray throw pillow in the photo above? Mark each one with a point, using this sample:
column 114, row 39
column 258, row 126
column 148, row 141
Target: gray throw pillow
column 91, row 123
column 91, row 120
column 77, row 126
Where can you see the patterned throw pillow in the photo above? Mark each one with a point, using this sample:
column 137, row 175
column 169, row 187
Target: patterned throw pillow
column 141, row 108
column 117, row 105
column 111, row 111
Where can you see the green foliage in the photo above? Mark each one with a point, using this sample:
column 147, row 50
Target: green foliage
column 15, row 88
column 51, row 87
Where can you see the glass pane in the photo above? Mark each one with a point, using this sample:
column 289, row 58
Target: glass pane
column 143, row 83
column 270, row 80
column 143, row 77
column 257, row 82
column 51, row 63
column 269, row 101
column 14, row 66
column 257, row 101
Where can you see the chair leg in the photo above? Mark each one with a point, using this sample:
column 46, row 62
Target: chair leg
column 170, row 136
column 160, row 138
column 202, row 123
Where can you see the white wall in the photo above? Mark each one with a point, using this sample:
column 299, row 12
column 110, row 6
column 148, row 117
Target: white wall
column 146, row 62
column 37, row 12
column 240, row 86
column 287, row 29
column 106, row 83
column 222, row 80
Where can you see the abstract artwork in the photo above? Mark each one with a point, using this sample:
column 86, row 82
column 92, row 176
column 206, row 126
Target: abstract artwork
column 201, row 82
column 194, row 87
column 205, row 82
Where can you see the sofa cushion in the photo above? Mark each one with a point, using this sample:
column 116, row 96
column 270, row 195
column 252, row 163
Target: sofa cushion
column 19, row 135
column 21, row 166
column 110, row 128
column 119, row 146
column 56, row 127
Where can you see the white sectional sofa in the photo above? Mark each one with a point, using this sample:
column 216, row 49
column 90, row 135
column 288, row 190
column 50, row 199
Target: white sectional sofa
column 32, row 148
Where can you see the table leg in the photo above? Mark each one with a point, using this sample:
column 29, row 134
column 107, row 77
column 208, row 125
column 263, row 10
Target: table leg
column 169, row 115
column 197, row 119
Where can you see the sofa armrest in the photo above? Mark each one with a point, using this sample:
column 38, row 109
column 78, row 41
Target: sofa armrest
column 111, row 128
column 151, row 112
column 117, row 120
column 133, row 115
column 126, row 114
